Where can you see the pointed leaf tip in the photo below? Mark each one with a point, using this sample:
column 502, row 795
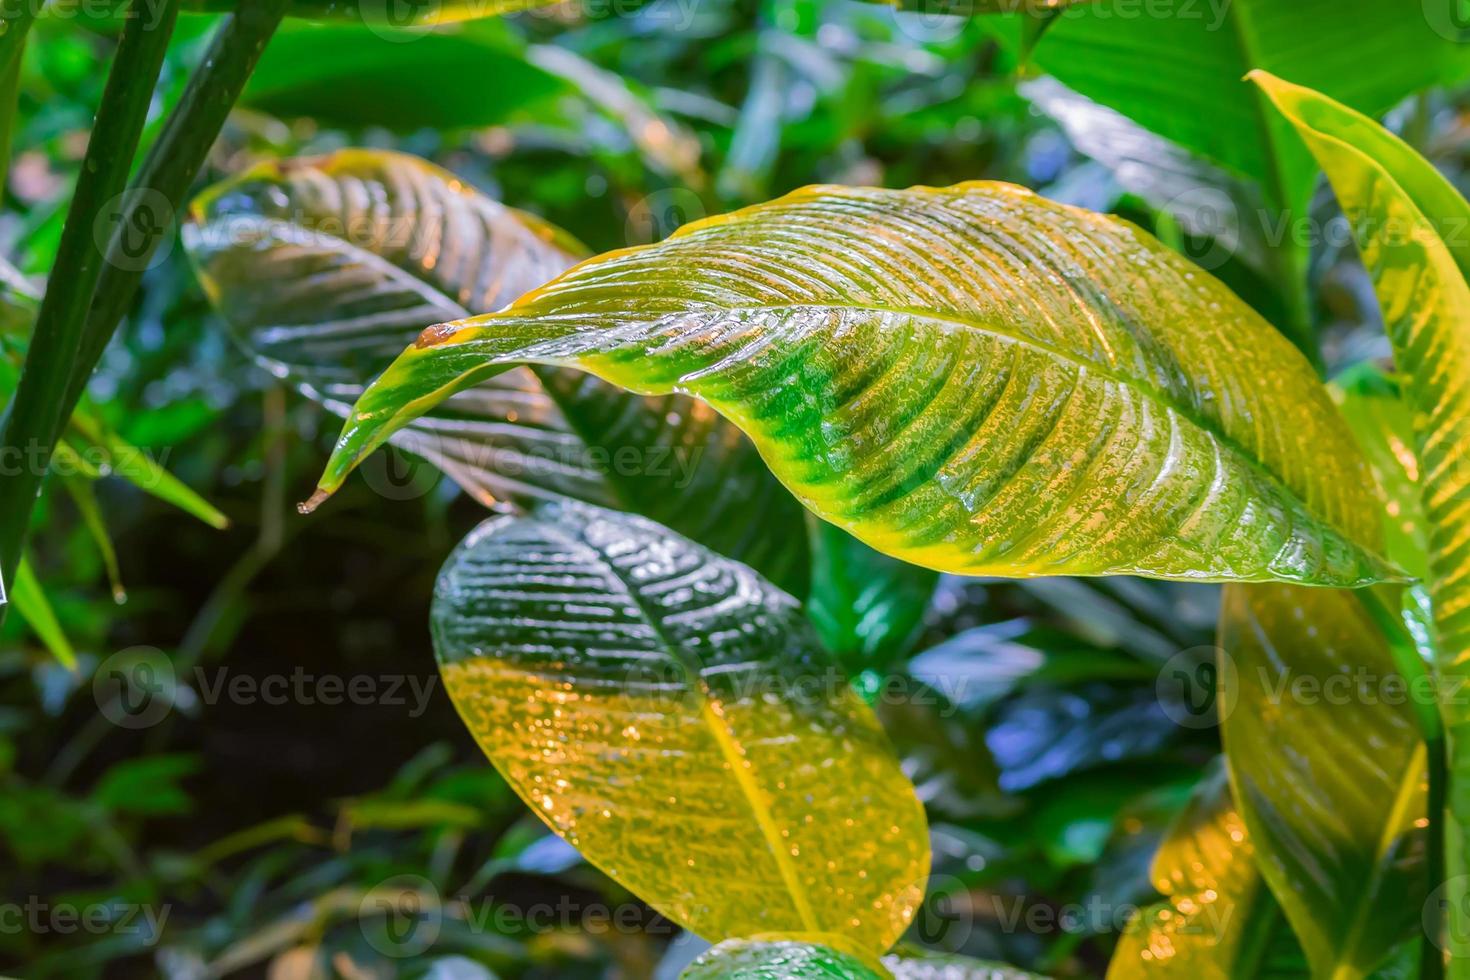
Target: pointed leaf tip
column 318, row 497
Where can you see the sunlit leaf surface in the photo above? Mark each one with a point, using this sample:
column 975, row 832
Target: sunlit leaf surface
column 671, row 715
column 973, row 379
column 1218, row 917
column 326, row 267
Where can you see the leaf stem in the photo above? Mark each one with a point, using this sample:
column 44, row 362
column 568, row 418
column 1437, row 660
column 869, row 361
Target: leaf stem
column 38, row 409
column 16, row 18
column 1418, row 676
column 170, row 167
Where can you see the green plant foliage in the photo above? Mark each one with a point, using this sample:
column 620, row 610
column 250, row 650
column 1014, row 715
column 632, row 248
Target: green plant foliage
column 908, row 965
column 417, row 15
column 1177, row 70
column 1369, row 53
column 356, row 75
column 1408, row 224
column 779, row 959
column 29, row 599
column 865, row 606
column 368, row 277
column 808, row 958
column 1337, row 822
column 1219, row 921
column 672, row 716
column 1109, row 410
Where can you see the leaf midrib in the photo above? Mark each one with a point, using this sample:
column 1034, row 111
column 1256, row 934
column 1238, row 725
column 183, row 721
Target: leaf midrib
column 724, row 737
column 943, row 321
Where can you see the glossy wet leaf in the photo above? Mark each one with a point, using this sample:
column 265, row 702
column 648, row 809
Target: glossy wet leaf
column 910, row 965
column 1408, row 223
column 1218, row 920
column 1382, row 422
column 1313, row 669
column 672, row 715
column 865, row 606
column 972, row 379
column 778, row 959
column 326, row 267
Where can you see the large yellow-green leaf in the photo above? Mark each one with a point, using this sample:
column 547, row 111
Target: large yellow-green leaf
column 326, row 267
column 1409, row 224
column 973, row 379
column 671, row 714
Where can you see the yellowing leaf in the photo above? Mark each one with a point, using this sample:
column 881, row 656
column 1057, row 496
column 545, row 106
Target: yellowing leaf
column 972, row 379
column 671, row 715
column 1217, row 910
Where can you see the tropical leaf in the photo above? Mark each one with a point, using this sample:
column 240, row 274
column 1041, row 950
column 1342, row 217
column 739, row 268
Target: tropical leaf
column 1338, row 820
column 1219, row 920
column 807, row 958
column 1314, row 669
column 1382, row 422
column 912, row 965
column 1409, row 223
column 779, row 959
column 866, row 606
column 671, row 715
column 326, row 267
column 972, row 379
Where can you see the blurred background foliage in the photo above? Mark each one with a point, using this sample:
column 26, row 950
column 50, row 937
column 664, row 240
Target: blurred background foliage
column 1047, row 760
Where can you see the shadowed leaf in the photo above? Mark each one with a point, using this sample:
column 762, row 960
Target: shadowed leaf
column 671, row 715
column 325, row 267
